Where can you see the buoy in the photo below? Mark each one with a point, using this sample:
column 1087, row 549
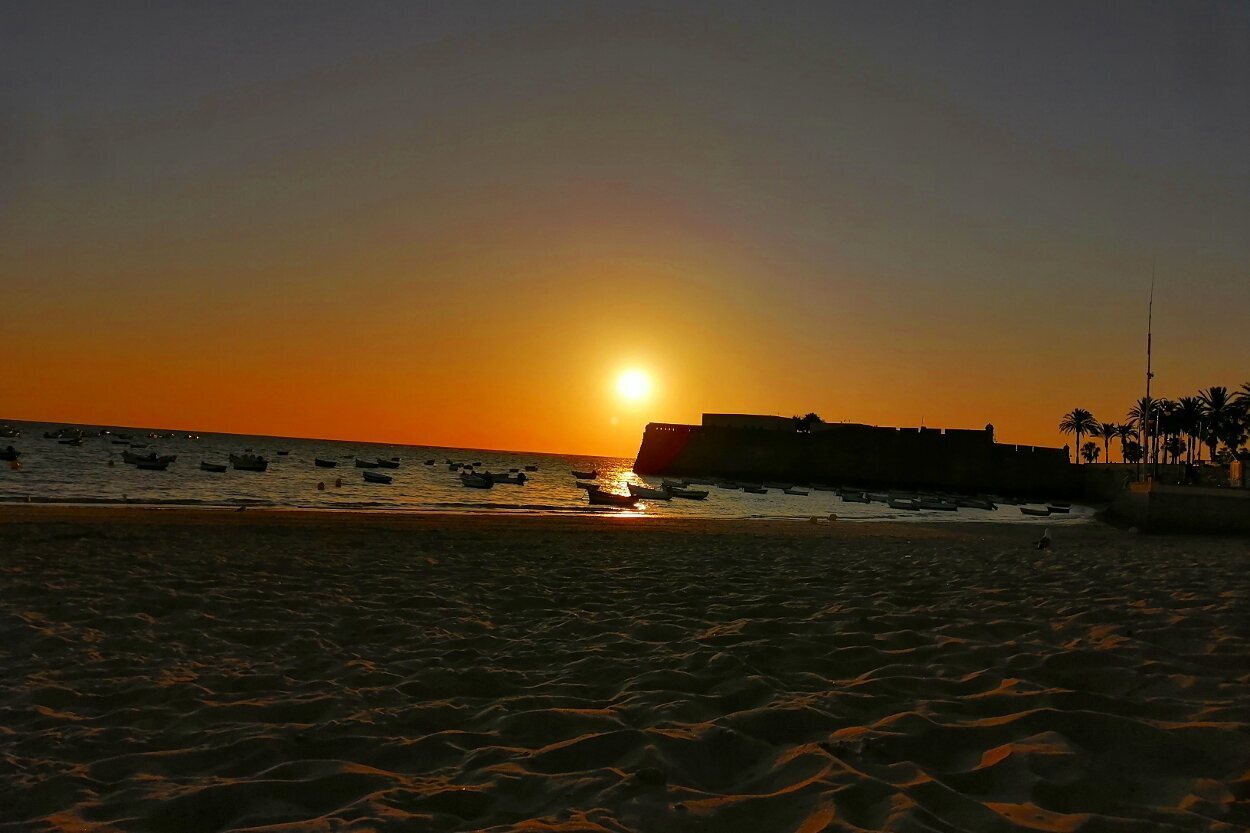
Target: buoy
column 321, row 487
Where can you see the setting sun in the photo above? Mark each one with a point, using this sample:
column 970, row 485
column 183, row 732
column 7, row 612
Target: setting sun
column 634, row 385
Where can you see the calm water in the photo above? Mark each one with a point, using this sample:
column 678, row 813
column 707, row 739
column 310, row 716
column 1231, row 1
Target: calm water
column 95, row 473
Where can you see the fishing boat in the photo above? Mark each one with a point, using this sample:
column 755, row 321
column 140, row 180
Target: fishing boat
column 429, row 462
column 476, row 481
column 728, row 485
column 135, row 459
column 585, row 475
column 754, row 490
column 772, row 484
column 365, row 464
column 853, row 497
column 152, row 465
column 393, row 463
column 280, row 453
column 601, row 498
column 376, row 477
column 938, row 505
column 249, row 462
column 517, row 479
column 10, row 454
column 325, row 464
column 531, row 468
column 795, row 490
column 877, row 497
column 824, row 487
column 647, row 492
column 688, row 494
column 676, row 484
column 904, row 503
column 1034, row 511
column 213, row 467
column 1059, row 509
column 974, row 503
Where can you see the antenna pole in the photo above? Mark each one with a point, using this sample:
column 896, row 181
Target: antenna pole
column 1150, row 312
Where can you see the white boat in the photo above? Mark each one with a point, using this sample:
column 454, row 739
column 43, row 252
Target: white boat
column 688, row 494
column 375, row 476
column 585, row 475
column 476, row 481
column 647, row 492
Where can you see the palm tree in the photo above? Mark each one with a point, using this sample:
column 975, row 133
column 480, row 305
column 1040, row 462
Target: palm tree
column 1079, row 422
column 1189, row 414
column 1108, row 431
column 1090, row 452
column 1168, row 425
column 1133, row 451
column 1218, row 410
column 1125, row 432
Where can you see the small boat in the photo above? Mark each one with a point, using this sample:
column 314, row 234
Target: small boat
column 531, row 468
column 365, row 464
column 585, row 475
column 517, row 479
column 388, row 464
column 824, row 487
column 1059, row 509
column 728, row 485
column 590, row 487
column 688, row 494
column 772, row 484
column 795, row 490
column 1060, row 504
column 152, row 465
column 904, row 503
column 429, row 462
column 854, row 497
column 676, row 484
column 136, row 459
column 877, row 497
column 938, row 505
column 213, row 467
column 974, row 503
column 10, row 454
column 325, row 464
column 601, row 498
column 280, row 453
column 453, row 467
column 1034, row 511
column 376, row 477
column 476, row 481
column 249, row 462
column 8, row 432
column 755, row 490
column 647, row 492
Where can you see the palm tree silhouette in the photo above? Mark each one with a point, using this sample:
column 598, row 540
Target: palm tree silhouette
column 1079, row 422
column 1090, row 451
column 1108, row 431
column 1125, row 432
column 1189, row 413
column 1218, row 409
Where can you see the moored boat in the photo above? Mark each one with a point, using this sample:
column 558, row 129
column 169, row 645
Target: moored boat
column 476, row 481
column 388, row 464
column 365, row 464
column 688, row 494
column 590, row 487
column 1059, row 509
column 755, row 490
column 152, row 465
column 795, row 490
column 531, row 468
column 598, row 497
column 938, row 505
column 280, row 453
column 249, row 462
column 910, row 504
column 150, row 457
column 213, row 467
column 325, row 464
column 647, row 492
column 974, row 503
column 585, row 475
column 853, row 497
column 376, row 477
column 1034, row 511
column 10, row 454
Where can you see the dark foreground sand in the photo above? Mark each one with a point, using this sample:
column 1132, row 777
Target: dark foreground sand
column 202, row 671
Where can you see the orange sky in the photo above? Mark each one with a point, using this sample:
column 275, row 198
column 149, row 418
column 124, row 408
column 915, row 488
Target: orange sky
column 458, row 231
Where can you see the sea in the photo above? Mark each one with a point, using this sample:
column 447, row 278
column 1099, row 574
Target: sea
column 94, row 473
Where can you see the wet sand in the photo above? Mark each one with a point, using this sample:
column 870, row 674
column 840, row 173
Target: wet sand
column 190, row 670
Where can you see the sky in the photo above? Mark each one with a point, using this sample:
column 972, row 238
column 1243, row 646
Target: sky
column 459, row 223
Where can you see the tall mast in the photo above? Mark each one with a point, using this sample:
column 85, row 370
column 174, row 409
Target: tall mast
column 1147, row 433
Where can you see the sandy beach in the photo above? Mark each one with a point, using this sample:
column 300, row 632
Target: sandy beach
column 187, row 670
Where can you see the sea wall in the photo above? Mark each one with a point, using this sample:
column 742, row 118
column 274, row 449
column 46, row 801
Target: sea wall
column 858, row 454
column 1158, row 507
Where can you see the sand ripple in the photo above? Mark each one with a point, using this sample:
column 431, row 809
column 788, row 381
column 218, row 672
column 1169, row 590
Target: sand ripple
column 592, row 677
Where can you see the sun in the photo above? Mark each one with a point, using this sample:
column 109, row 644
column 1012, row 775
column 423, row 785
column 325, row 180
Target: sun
column 634, row 385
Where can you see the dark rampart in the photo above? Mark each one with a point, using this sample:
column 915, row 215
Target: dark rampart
column 861, row 455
